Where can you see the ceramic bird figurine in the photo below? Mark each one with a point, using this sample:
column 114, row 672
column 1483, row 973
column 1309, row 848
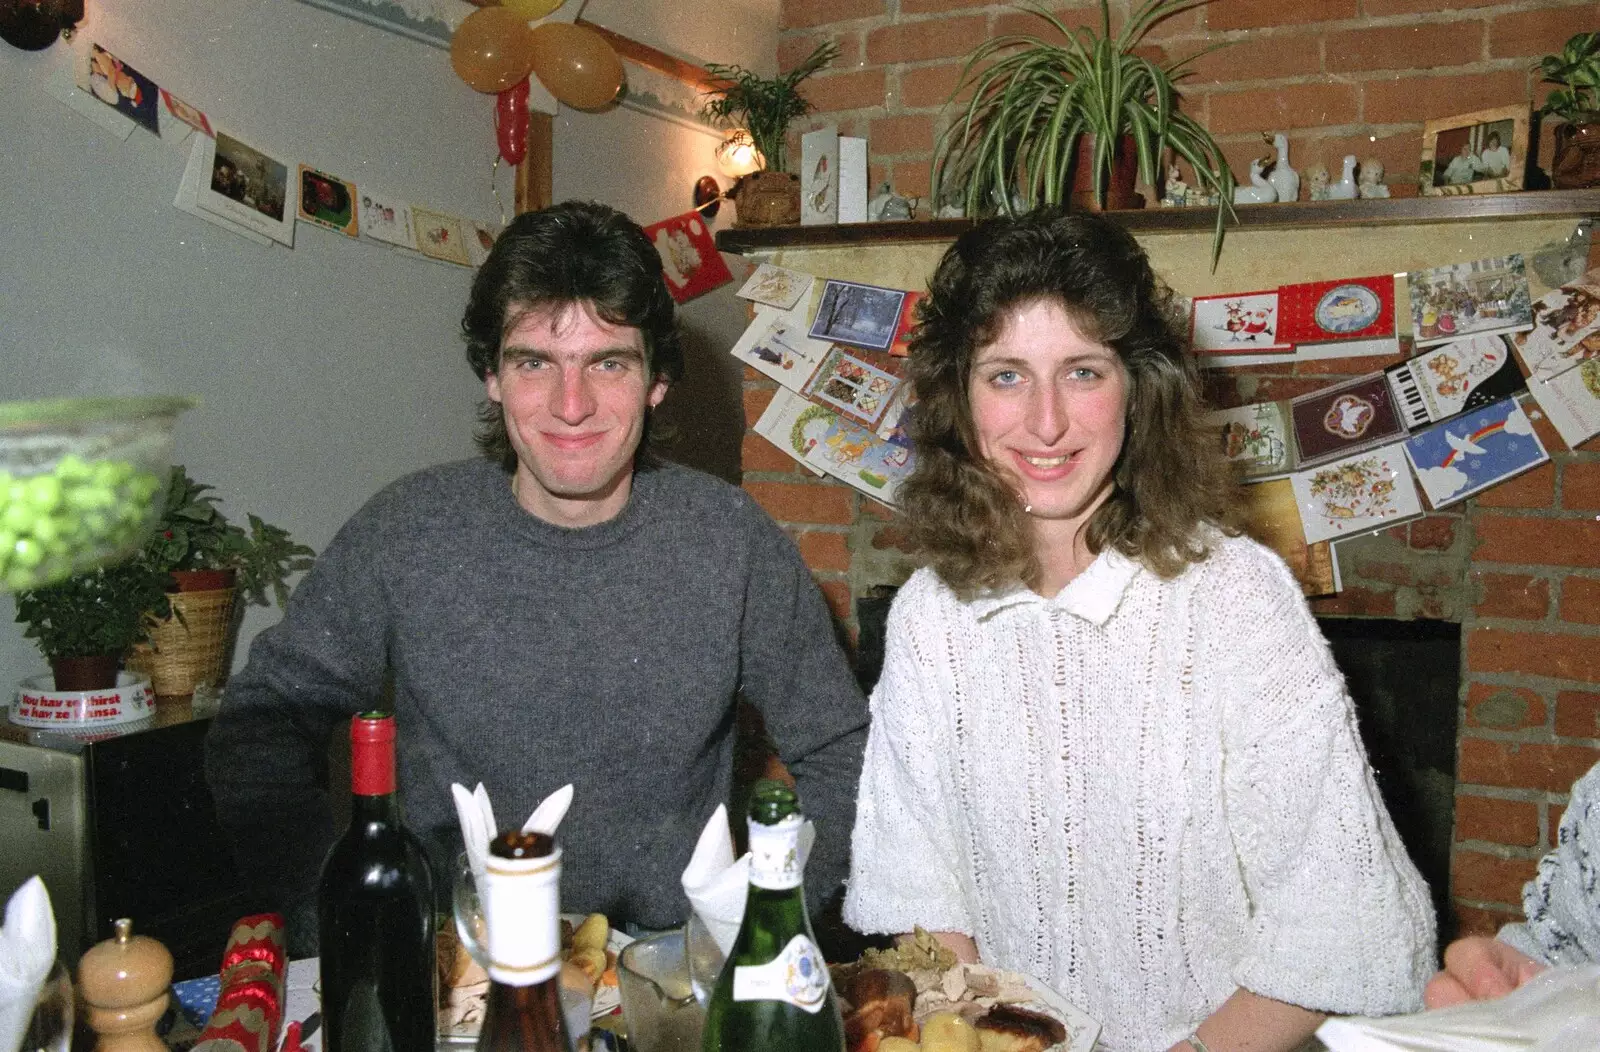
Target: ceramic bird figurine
column 1285, row 180
column 1345, row 188
column 1259, row 192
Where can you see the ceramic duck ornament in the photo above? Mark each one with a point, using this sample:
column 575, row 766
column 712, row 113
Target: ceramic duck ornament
column 1345, row 188
column 1259, row 192
column 1285, row 180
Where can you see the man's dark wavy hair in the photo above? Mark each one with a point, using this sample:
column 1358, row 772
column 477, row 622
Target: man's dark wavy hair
column 568, row 253
column 1170, row 478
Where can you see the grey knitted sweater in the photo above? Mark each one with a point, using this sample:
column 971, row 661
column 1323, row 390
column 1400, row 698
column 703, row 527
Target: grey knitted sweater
column 526, row 655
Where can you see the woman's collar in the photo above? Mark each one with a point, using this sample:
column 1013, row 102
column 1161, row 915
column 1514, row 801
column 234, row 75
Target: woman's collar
column 1093, row 595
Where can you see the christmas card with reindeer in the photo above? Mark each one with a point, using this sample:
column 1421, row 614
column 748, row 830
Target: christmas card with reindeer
column 1460, row 457
column 1241, row 323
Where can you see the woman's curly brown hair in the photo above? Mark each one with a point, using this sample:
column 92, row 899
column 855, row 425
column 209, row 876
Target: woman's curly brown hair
column 1170, row 478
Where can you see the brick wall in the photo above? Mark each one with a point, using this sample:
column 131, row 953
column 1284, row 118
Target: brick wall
column 1518, row 566
column 1339, row 76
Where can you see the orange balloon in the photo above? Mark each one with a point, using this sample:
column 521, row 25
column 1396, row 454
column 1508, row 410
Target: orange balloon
column 492, row 50
column 576, row 65
column 531, row 9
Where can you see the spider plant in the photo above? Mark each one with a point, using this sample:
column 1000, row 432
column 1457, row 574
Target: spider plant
column 764, row 106
column 1032, row 100
column 1577, row 70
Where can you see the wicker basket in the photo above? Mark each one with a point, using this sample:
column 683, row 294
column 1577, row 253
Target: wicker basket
column 191, row 650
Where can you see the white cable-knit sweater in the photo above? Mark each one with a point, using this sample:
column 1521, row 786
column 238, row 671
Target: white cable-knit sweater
column 1145, row 793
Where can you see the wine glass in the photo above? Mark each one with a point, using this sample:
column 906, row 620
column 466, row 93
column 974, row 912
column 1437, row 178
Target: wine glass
column 705, row 957
column 467, row 907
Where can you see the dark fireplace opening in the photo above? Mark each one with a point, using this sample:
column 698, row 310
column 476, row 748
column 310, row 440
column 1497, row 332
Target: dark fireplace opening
column 1404, row 677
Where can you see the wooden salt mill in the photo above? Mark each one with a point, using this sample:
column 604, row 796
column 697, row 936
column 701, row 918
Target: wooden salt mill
column 124, row 982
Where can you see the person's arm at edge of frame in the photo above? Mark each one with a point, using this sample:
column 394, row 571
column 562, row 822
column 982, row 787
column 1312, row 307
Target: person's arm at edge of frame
column 1561, row 926
column 796, row 673
column 266, row 749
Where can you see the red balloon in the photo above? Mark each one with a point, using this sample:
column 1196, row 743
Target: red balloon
column 511, row 121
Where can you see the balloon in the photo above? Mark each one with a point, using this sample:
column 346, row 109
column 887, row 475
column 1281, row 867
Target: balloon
column 576, row 65
column 531, row 9
column 511, row 122
column 492, row 50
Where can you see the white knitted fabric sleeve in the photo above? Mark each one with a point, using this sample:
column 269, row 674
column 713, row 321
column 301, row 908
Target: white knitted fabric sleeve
column 1342, row 921
column 904, row 860
column 1562, row 901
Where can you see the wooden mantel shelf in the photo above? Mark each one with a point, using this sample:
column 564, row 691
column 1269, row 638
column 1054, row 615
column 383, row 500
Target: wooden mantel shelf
column 1304, row 214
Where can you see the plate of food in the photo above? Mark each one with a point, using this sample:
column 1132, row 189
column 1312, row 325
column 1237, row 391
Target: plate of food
column 918, row 998
column 589, row 948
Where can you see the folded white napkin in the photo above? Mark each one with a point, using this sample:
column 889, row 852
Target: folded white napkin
column 716, row 882
column 1556, row 1011
column 27, row 950
column 478, row 826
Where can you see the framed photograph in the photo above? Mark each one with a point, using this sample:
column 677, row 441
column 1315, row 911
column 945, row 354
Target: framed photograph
column 1476, row 153
column 861, row 315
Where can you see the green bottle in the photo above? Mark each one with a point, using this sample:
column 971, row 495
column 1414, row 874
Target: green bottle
column 773, row 994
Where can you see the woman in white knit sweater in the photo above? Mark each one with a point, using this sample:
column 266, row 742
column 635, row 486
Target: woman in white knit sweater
column 1109, row 747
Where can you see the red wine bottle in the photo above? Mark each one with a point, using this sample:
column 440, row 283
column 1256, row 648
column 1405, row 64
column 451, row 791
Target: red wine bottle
column 522, row 917
column 375, row 912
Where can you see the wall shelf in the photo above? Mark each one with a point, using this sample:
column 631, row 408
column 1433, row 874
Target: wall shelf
column 1302, row 214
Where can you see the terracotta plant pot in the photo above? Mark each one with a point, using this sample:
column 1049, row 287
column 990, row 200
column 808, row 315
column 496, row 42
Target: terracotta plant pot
column 1119, row 188
column 98, row 672
column 202, row 580
column 1576, row 161
column 767, row 199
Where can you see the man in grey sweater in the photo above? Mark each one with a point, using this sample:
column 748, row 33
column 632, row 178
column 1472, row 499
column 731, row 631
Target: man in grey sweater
column 566, row 609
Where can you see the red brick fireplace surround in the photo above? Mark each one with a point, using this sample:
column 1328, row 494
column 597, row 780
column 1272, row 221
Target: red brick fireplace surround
column 1518, row 566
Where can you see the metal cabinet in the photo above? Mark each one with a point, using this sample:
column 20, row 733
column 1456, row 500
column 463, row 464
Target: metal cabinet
column 122, row 826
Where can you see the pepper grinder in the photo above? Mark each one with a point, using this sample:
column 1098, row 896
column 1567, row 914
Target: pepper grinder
column 124, row 982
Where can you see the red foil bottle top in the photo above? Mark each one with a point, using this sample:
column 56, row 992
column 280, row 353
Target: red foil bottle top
column 372, row 754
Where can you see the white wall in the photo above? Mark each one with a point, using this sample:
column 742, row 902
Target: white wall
column 328, row 370
column 647, row 166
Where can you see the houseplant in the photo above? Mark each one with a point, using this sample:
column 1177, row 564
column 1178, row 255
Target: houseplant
column 207, row 561
column 1042, row 114
column 1576, row 160
column 86, row 623
column 765, row 107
